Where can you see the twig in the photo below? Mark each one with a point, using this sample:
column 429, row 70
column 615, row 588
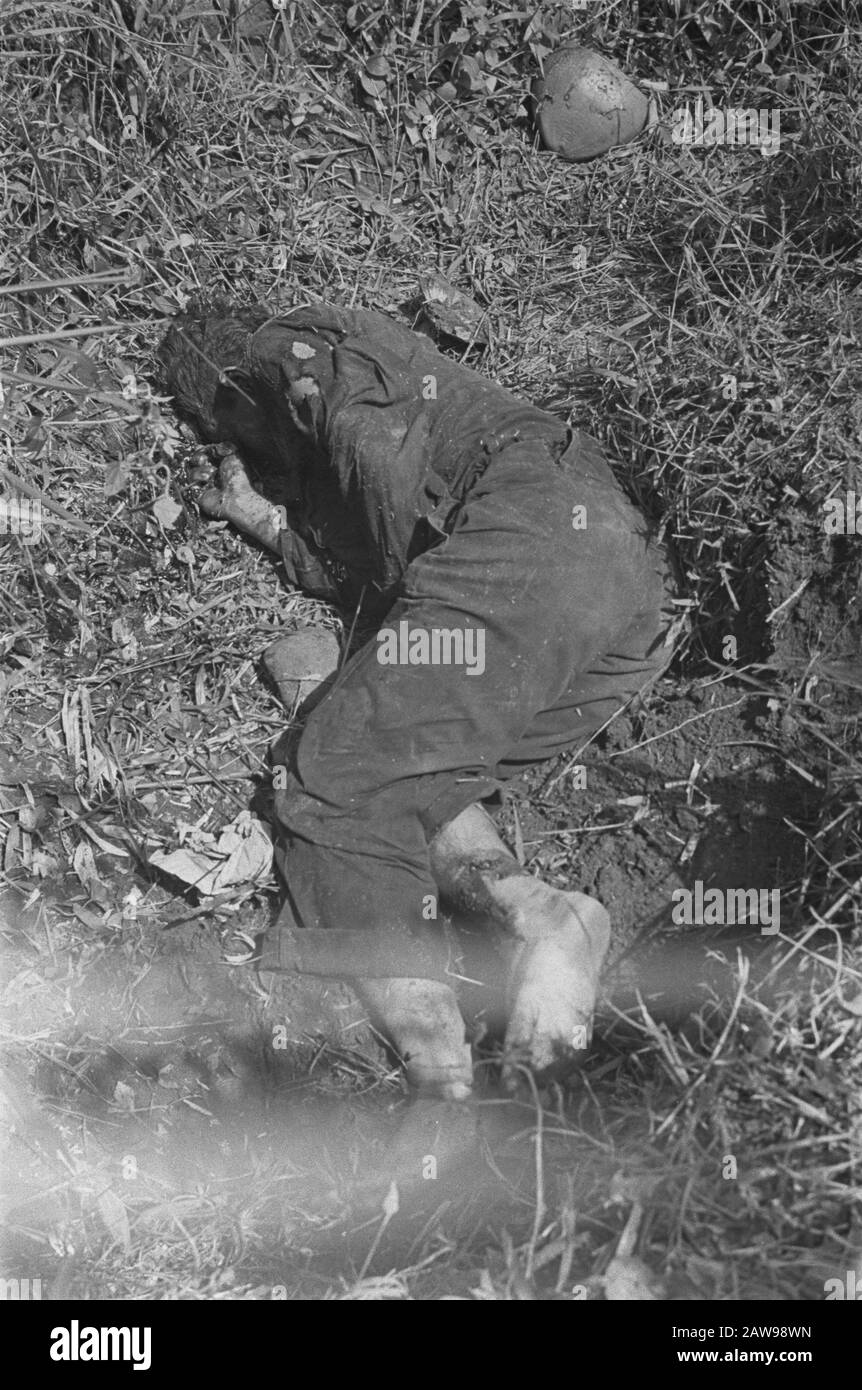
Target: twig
column 390, row 1209
column 417, row 21
column 25, row 339
column 791, row 598
column 666, row 733
column 538, row 1142
column 64, row 281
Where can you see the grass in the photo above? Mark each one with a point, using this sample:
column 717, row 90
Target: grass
column 711, row 338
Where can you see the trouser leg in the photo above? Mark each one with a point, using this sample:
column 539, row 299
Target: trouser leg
column 395, row 751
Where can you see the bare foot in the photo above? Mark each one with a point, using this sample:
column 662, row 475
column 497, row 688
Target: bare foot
column 424, row 1023
column 554, row 982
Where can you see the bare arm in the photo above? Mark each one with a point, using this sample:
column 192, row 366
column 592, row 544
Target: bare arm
column 238, row 502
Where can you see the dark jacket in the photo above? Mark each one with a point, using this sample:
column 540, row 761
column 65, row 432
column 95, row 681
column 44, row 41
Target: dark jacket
column 377, row 436
column 398, row 433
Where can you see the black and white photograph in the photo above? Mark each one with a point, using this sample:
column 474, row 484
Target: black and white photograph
column 430, row 663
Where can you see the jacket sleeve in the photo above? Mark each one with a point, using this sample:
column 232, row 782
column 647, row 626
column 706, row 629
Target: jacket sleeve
column 376, row 425
column 309, row 569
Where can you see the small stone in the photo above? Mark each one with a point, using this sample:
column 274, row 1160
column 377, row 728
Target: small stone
column 299, row 663
column 452, row 312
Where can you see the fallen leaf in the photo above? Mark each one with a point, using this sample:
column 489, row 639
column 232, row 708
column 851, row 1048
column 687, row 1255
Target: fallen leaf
column 116, row 476
column 242, row 855
column 451, row 311
column 166, row 511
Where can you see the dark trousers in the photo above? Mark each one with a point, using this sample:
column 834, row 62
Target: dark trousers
column 575, row 619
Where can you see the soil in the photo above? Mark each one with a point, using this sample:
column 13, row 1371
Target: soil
column 698, row 783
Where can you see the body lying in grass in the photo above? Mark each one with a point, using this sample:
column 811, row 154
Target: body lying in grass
column 464, row 521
